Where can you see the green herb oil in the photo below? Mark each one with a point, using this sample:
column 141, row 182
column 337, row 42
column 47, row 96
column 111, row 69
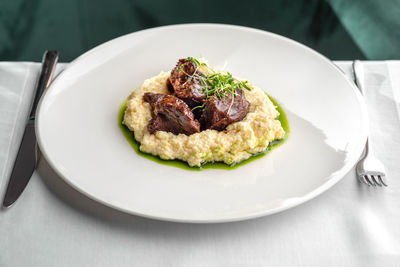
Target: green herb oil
column 210, row 165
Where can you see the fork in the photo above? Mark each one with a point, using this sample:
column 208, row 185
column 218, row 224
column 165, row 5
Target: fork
column 370, row 169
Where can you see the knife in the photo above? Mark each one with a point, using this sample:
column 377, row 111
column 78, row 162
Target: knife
column 26, row 160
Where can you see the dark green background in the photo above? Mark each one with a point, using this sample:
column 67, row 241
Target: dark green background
column 339, row 29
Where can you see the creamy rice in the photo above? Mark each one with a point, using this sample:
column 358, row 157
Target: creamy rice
column 240, row 140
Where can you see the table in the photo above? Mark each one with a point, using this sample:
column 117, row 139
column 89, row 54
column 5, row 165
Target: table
column 349, row 225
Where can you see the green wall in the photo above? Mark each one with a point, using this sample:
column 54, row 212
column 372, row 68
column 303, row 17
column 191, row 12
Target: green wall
column 337, row 29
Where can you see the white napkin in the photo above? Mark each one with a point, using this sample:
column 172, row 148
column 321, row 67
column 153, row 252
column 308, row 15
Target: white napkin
column 17, row 82
column 17, row 85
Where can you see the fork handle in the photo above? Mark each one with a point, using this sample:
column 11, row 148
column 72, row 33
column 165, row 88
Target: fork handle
column 359, row 78
column 368, row 149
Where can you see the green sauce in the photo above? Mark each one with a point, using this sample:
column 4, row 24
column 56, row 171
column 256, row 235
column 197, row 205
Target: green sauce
column 210, row 165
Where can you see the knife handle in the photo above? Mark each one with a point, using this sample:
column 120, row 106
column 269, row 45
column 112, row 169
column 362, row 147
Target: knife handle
column 49, row 61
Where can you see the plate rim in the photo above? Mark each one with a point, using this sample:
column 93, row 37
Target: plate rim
column 335, row 178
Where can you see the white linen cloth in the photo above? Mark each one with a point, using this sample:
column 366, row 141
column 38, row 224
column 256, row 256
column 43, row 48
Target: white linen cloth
column 350, row 225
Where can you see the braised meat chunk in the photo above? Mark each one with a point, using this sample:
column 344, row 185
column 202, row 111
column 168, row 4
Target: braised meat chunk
column 220, row 112
column 197, row 101
column 170, row 114
column 186, row 83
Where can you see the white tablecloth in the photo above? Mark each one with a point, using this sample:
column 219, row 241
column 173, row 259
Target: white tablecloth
column 350, row 225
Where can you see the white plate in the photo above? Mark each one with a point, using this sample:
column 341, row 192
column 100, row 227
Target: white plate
column 78, row 132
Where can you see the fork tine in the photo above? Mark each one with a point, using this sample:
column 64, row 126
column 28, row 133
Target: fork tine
column 363, row 179
column 369, row 181
column 376, row 181
column 380, row 177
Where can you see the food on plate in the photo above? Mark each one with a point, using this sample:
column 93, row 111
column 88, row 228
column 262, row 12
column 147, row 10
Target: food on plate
column 219, row 112
column 170, row 114
column 197, row 114
column 186, row 83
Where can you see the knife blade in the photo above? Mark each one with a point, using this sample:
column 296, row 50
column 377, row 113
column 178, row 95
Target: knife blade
column 26, row 160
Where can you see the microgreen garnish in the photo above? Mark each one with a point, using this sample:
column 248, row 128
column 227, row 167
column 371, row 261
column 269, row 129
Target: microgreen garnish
column 198, row 63
column 217, row 84
column 201, row 106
